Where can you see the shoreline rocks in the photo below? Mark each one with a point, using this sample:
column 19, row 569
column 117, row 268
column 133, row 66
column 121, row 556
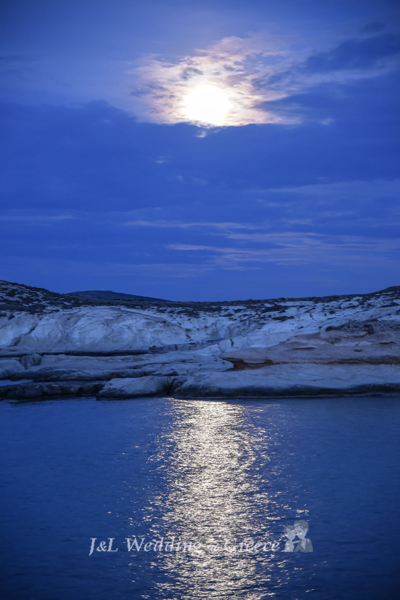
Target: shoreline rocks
column 333, row 347
column 135, row 388
column 293, row 380
column 42, row 391
column 342, row 345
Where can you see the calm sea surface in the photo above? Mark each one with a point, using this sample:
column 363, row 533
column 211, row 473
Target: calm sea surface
column 219, row 479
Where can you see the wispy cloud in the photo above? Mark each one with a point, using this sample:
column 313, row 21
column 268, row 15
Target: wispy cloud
column 351, row 60
column 253, row 73
column 28, row 216
column 299, row 248
column 164, row 224
column 377, row 188
column 376, row 52
column 105, row 269
column 232, row 65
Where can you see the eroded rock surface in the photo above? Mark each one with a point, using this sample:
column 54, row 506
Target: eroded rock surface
column 55, row 345
column 293, row 380
column 334, row 347
column 134, row 388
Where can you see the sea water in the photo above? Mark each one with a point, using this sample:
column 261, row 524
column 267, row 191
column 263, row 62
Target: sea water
column 188, row 499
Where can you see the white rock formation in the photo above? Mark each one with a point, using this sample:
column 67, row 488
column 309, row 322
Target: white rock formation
column 235, row 325
column 293, row 380
column 147, row 347
column 330, row 347
column 134, row 388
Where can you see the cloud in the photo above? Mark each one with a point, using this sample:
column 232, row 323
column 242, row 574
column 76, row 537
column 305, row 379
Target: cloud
column 356, row 55
column 164, row 224
column 232, row 65
column 360, row 206
column 327, row 76
column 377, row 188
column 30, row 217
column 254, row 73
column 301, row 248
column 89, row 269
column 367, row 207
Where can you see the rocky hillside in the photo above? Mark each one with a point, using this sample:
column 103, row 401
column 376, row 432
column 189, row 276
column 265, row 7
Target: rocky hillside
column 58, row 344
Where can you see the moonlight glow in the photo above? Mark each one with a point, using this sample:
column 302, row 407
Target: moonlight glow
column 207, row 104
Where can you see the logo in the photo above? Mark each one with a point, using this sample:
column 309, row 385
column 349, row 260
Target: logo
column 299, row 529
column 138, row 544
column 141, row 543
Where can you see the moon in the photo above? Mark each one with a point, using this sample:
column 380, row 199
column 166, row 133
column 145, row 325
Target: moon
column 207, row 104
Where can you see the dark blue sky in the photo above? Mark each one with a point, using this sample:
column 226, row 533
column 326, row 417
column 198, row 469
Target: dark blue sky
column 109, row 182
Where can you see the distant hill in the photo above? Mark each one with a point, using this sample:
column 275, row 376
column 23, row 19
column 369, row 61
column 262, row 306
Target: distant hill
column 109, row 295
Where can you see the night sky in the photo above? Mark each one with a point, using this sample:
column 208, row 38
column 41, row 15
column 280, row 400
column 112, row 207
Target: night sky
column 208, row 150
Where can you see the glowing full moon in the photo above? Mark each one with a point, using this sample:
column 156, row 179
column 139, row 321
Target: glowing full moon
column 207, row 104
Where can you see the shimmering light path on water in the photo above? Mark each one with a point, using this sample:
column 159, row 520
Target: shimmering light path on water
column 213, row 473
